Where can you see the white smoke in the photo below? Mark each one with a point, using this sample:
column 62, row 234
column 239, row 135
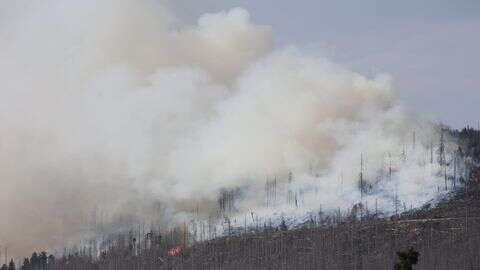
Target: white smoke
column 110, row 107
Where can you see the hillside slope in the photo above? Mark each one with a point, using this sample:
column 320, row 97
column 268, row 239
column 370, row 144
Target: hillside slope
column 445, row 233
column 447, row 237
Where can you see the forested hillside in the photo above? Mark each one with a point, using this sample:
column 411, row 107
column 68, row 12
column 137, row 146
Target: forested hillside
column 446, row 234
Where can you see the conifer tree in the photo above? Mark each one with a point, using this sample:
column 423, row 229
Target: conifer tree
column 406, row 259
column 11, row 265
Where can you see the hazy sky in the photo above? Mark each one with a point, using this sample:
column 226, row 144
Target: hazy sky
column 431, row 47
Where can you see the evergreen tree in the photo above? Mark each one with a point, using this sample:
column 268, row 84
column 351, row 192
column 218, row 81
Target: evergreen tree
column 43, row 260
column 406, row 259
column 283, row 226
column 11, row 265
column 34, row 261
column 26, row 264
column 51, row 261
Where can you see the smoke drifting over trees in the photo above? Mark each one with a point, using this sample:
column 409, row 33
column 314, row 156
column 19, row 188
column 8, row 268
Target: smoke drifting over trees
column 111, row 113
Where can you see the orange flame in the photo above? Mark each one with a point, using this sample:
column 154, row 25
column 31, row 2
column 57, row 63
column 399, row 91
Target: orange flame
column 174, row 251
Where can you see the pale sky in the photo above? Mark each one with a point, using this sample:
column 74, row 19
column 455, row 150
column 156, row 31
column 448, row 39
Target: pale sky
column 430, row 47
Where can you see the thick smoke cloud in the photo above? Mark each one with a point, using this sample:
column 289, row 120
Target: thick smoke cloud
column 110, row 111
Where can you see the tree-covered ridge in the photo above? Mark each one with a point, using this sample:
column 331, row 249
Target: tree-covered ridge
column 446, row 236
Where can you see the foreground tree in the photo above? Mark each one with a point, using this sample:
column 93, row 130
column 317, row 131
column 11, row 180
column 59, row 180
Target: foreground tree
column 25, row 265
column 11, row 265
column 406, row 259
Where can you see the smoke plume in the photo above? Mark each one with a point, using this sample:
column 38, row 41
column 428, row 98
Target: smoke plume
column 112, row 111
